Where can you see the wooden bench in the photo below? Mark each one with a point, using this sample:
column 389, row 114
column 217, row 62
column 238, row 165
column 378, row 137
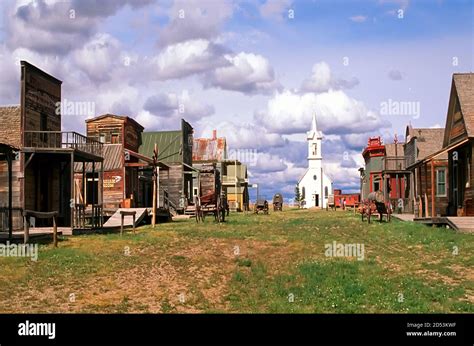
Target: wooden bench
column 124, row 213
column 41, row 215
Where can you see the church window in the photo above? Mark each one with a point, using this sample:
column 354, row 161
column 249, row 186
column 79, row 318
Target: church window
column 326, row 192
column 315, row 149
column 303, row 193
column 315, row 177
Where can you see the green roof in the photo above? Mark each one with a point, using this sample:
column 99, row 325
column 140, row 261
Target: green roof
column 169, row 145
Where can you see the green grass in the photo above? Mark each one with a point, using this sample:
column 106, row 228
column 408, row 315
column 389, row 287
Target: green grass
column 252, row 263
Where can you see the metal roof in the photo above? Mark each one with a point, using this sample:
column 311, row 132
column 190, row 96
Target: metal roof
column 209, row 149
column 169, row 145
column 112, row 154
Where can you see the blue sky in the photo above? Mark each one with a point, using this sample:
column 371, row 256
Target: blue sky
column 248, row 70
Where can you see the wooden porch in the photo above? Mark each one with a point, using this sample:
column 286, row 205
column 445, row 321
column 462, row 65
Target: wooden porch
column 459, row 223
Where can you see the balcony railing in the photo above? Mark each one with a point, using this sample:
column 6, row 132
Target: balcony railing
column 62, row 140
column 394, row 163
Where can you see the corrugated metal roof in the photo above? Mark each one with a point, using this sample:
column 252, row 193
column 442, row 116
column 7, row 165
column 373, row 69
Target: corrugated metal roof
column 113, row 155
column 169, row 145
column 209, row 149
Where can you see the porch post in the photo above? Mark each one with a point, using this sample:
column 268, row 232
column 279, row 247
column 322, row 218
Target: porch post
column 93, row 193
column 10, row 196
column 72, row 200
column 432, row 189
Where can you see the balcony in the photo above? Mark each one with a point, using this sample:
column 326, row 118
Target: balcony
column 58, row 140
column 394, row 163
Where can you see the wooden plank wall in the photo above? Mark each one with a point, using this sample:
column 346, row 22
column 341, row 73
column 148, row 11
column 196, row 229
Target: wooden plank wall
column 15, row 181
column 174, row 184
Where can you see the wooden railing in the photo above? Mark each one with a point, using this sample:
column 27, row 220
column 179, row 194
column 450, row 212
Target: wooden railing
column 81, row 214
column 61, row 140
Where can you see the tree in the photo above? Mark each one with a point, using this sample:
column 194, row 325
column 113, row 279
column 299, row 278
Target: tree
column 298, row 197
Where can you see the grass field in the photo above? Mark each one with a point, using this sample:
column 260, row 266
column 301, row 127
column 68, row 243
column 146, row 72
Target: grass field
column 253, row 263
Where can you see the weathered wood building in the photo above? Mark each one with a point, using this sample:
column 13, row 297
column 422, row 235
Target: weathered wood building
column 175, row 150
column 43, row 169
column 385, row 170
column 458, row 143
column 429, row 176
column 124, row 185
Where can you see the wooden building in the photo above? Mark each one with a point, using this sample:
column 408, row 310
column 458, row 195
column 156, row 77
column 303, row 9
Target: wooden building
column 458, row 144
column 235, row 184
column 429, row 176
column 124, row 184
column 385, row 170
column 208, row 152
column 175, row 149
column 43, row 169
column 351, row 199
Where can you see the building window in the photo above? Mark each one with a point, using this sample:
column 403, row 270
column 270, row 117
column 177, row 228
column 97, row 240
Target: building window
column 315, row 149
column 376, row 186
column 315, row 177
column 102, row 138
column 326, row 191
column 114, row 138
column 303, row 193
column 441, row 182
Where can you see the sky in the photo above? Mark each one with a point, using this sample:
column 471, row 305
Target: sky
column 254, row 70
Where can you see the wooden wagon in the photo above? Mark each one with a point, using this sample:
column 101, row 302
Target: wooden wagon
column 375, row 206
column 278, row 202
column 211, row 200
column 261, row 205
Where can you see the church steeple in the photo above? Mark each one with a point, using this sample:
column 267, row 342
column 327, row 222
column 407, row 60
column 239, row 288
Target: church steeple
column 314, row 145
column 314, row 133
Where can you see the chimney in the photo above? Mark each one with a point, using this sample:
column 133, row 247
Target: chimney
column 214, row 134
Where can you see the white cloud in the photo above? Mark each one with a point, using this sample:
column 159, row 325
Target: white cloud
column 172, row 107
column 322, row 80
column 195, row 19
column 267, row 163
column 99, row 58
column 243, row 135
column 248, row 73
column 337, row 113
column 187, row 58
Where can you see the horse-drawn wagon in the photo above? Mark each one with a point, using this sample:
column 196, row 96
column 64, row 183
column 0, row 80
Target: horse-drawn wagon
column 211, row 199
column 278, row 202
column 261, row 205
column 375, row 206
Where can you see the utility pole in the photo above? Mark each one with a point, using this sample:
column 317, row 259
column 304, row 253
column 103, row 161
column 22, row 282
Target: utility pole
column 155, row 177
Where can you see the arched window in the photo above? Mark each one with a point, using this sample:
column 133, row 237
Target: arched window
column 303, row 193
column 326, row 191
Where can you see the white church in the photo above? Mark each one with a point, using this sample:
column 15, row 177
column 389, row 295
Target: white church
column 315, row 186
